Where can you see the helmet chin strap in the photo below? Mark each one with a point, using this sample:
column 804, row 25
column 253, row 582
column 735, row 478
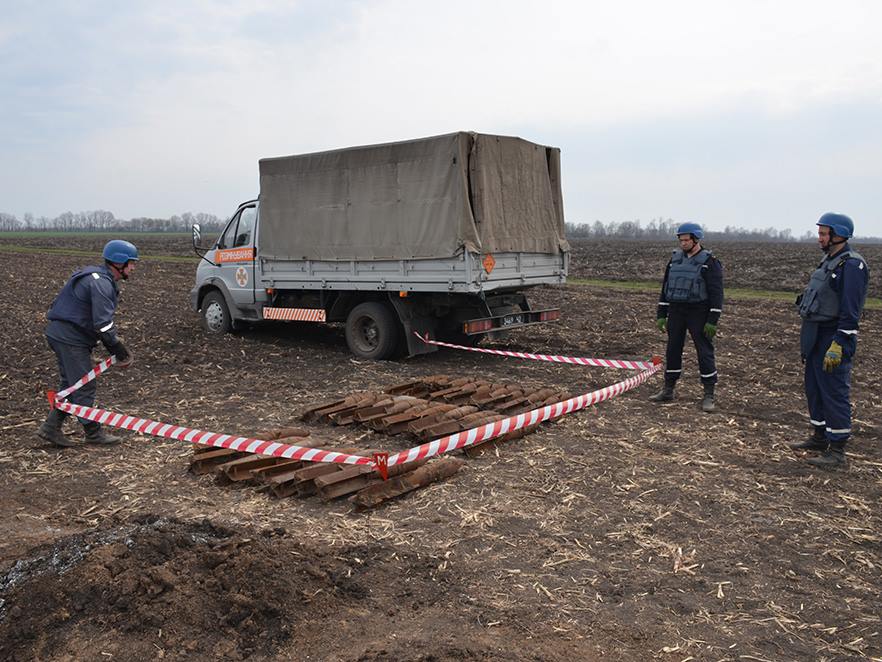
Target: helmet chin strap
column 833, row 242
column 121, row 272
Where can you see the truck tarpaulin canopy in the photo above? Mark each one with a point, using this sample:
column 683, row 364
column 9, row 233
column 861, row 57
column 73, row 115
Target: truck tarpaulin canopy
column 425, row 198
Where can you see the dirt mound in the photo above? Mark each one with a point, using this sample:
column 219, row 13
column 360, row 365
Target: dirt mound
column 157, row 586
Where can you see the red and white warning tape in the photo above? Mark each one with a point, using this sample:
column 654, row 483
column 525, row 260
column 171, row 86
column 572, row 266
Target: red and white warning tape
column 88, row 377
column 499, row 428
column 204, row 438
column 576, row 360
column 381, row 461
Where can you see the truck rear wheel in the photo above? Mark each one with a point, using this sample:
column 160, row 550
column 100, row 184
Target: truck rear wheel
column 372, row 330
column 215, row 314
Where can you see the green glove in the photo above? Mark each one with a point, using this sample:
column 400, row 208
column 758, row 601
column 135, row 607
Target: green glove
column 710, row 330
column 662, row 324
column 833, row 357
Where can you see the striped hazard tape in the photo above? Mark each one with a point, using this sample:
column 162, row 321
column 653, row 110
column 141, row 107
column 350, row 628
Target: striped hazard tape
column 182, row 433
column 85, row 379
column 491, row 431
column 205, row 438
column 380, row 461
column 294, row 314
column 554, row 358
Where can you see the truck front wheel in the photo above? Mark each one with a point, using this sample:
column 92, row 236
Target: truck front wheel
column 215, row 314
column 372, row 331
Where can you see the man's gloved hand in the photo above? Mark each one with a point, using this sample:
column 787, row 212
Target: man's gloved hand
column 662, row 324
column 123, row 357
column 710, row 330
column 833, row 357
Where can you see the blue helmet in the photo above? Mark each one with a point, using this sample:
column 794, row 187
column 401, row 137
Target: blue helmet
column 841, row 224
column 691, row 228
column 120, row 251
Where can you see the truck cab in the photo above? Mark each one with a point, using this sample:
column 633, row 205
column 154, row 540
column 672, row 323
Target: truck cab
column 226, row 275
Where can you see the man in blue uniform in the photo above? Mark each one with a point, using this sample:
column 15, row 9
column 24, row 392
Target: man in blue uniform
column 80, row 316
column 830, row 308
column 691, row 300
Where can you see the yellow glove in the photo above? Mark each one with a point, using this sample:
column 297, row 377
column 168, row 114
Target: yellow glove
column 833, row 357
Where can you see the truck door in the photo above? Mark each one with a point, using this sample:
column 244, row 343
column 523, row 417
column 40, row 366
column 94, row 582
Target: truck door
column 235, row 255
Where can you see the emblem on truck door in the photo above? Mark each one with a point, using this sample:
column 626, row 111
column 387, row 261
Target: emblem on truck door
column 242, row 276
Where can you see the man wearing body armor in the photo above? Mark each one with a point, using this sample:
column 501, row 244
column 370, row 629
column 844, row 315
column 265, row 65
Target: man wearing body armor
column 830, row 308
column 691, row 300
column 80, row 316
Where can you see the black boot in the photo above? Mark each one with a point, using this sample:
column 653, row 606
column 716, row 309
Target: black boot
column 817, row 442
column 832, row 458
column 95, row 434
column 666, row 394
column 50, row 429
column 707, row 403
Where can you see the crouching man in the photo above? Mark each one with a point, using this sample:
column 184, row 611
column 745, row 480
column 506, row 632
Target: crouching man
column 80, row 317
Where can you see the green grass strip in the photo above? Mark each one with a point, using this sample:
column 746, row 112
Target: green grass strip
column 39, row 250
column 59, row 234
column 872, row 303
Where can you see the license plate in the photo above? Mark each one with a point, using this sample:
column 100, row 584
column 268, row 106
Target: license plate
column 508, row 320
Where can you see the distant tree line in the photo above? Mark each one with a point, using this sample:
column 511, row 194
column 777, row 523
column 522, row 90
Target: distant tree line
column 104, row 221
column 659, row 228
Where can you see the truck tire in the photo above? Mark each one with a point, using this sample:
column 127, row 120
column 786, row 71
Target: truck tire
column 215, row 314
column 372, row 331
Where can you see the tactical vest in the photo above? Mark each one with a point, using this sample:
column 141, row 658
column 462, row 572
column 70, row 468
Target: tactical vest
column 820, row 302
column 68, row 307
column 685, row 282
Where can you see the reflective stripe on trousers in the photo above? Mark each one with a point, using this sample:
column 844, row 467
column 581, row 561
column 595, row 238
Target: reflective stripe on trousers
column 828, row 393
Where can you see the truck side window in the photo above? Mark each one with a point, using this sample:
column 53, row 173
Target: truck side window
column 229, row 234
column 246, row 227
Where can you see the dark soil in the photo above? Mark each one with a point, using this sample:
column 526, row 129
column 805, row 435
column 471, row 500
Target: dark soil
column 627, row 531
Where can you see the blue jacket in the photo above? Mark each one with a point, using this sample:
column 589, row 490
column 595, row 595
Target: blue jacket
column 82, row 313
column 846, row 285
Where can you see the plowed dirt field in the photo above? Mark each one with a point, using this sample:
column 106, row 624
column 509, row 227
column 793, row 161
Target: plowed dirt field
column 628, row 531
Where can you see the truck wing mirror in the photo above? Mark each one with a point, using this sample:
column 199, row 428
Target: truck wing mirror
column 197, row 243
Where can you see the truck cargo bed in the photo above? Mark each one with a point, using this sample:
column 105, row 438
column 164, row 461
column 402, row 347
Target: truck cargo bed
column 461, row 274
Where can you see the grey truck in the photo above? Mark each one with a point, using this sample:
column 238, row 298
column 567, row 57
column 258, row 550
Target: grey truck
column 442, row 236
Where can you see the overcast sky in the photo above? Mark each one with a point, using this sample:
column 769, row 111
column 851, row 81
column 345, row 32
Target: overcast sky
column 749, row 113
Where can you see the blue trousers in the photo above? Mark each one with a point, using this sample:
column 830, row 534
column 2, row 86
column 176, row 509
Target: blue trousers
column 692, row 318
column 74, row 361
column 828, row 392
